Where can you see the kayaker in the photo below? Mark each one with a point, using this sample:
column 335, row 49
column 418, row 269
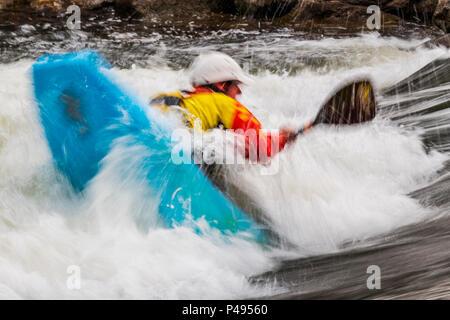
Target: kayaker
column 216, row 80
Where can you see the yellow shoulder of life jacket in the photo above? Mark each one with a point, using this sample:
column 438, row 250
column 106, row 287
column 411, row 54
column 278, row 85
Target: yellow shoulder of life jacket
column 209, row 108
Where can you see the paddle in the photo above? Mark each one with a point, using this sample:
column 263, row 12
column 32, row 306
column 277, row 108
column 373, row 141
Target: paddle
column 352, row 104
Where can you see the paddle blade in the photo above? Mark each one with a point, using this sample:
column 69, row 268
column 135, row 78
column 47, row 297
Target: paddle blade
column 354, row 103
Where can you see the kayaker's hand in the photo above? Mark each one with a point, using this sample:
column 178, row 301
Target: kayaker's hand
column 288, row 133
column 291, row 134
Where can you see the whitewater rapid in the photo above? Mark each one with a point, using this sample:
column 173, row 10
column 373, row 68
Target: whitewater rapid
column 333, row 187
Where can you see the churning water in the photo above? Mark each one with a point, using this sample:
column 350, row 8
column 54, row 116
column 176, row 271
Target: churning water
column 333, row 187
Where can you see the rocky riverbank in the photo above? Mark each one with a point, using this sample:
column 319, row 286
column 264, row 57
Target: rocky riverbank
column 311, row 16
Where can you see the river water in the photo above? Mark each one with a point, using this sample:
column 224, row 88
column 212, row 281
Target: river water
column 337, row 194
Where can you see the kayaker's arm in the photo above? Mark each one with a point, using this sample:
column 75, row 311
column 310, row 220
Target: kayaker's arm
column 267, row 144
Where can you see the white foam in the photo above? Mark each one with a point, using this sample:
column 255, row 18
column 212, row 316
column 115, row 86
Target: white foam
column 333, row 186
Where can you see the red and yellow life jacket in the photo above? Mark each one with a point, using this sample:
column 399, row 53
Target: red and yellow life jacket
column 214, row 108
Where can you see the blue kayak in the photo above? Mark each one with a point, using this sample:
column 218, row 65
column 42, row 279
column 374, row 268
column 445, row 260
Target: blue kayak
column 84, row 113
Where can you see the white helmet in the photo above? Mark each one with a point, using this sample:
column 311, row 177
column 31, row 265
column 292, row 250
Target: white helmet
column 212, row 67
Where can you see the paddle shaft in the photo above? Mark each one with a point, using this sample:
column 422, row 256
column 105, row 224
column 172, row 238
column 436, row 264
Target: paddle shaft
column 352, row 104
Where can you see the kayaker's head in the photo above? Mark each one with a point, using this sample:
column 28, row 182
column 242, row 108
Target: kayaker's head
column 219, row 70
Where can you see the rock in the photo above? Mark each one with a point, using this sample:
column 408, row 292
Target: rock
column 92, row 4
column 428, row 12
column 5, row 4
column 124, row 8
column 131, row 8
column 441, row 15
column 422, row 11
column 170, row 13
column 339, row 14
column 143, row 8
column 57, row 5
column 396, row 4
column 223, row 6
column 264, row 8
column 315, row 16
